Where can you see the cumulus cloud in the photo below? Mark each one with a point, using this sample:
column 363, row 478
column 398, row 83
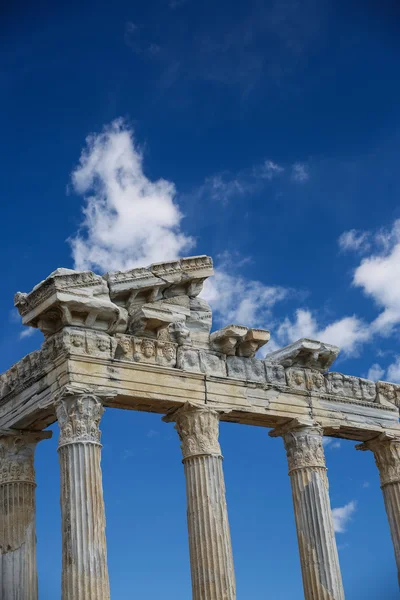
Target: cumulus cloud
column 128, row 220
column 342, row 516
column 349, row 333
column 393, row 371
column 28, row 332
column 235, row 299
column 354, row 241
column 300, row 172
column 375, row 372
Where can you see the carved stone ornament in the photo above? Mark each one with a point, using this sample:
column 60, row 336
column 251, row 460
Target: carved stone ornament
column 79, row 418
column 198, row 430
column 387, row 457
column 17, row 456
column 303, row 444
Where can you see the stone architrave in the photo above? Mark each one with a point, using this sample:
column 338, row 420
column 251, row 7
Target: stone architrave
column 315, row 533
column 84, row 551
column 387, row 457
column 213, row 576
column 18, row 573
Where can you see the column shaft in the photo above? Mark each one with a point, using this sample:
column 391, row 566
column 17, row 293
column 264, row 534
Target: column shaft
column 315, row 533
column 18, row 572
column 387, row 457
column 84, row 557
column 211, row 559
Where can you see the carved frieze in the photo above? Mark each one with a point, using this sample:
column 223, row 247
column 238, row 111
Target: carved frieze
column 296, row 378
column 388, row 393
column 315, row 381
column 213, row 363
column 188, row 359
column 247, row 369
column 275, row 374
column 368, row 390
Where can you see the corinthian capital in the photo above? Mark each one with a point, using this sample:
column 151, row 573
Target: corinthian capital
column 79, row 419
column 303, row 444
column 387, row 457
column 17, row 456
column 198, row 430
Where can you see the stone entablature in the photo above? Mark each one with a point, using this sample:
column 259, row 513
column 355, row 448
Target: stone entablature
column 74, row 341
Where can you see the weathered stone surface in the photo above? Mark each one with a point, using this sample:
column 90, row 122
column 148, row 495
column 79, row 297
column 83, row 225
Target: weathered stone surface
column 227, row 339
column 387, row 393
column 311, row 354
column 70, row 298
column 18, row 573
column 386, row 450
column 213, row 363
column 84, row 553
column 211, row 559
column 318, row 552
column 188, row 359
column 275, row 374
column 252, row 342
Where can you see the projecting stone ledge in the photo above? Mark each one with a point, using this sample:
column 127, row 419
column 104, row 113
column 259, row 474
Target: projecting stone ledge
column 306, row 353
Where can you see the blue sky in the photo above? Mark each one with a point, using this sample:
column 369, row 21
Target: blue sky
column 265, row 134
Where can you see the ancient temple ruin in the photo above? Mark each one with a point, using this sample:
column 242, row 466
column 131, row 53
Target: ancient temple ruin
column 140, row 340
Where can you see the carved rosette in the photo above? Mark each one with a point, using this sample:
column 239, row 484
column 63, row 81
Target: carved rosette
column 198, row 429
column 387, row 458
column 79, row 418
column 304, row 448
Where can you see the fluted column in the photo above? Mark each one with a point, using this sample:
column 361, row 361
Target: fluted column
column 317, row 544
column 386, row 450
column 84, row 552
column 211, row 560
column 18, row 573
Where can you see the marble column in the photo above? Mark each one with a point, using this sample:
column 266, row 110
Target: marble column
column 319, row 559
column 211, row 560
column 84, row 551
column 18, row 573
column 386, row 450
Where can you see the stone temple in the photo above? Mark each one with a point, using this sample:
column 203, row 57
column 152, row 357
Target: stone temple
column 140, row 340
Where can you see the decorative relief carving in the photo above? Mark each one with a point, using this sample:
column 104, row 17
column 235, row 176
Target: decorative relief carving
column 335, row 384
column 315, row 381
column 213, row 363
column 236, row 367
column 388, row 392
column 368, row 390
column 296, row 378
column 188, row 359
column 79, row 418
column 304, row 448
column 275, row 374
column 387, row 457
column 198, row 430
column 17, row 457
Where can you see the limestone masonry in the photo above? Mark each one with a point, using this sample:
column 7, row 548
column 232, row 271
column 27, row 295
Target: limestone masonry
column 141, row 340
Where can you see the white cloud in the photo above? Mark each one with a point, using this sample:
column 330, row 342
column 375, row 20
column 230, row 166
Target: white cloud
column 270, row 169
column 28, row 332
column 129, row 220
column 222, row 189
column 342, row 516
column 241, row 301
column 393, row 371
column 349, row 333
column 366, row 484
column 354, row 240
column 300, row 172
column 331, row 443
column 379, row 277
column 375, row 372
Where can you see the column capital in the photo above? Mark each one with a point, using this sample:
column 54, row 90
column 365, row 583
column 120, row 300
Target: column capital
column 79, row 416
column 17, row 450
column 198, row 429
column 303, row 444
column 386, row 449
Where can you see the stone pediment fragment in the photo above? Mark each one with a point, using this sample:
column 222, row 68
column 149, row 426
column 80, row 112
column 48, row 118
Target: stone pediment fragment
column 310, row 354
column 67, row 297
column 238, row 340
